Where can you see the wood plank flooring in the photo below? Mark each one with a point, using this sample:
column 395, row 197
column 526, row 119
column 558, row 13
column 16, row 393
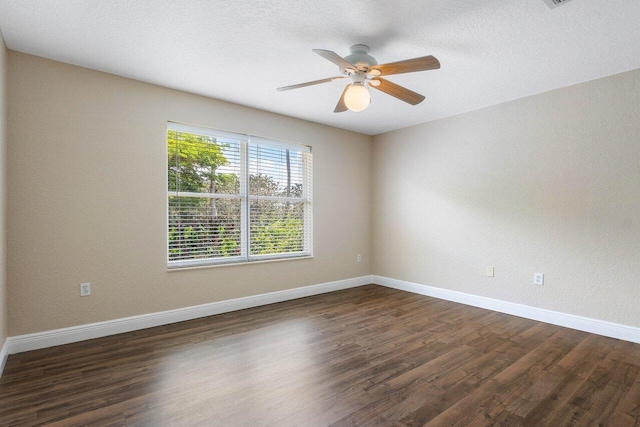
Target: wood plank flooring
column 363, row 356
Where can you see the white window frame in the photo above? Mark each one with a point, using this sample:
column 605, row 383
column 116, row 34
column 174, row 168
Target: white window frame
column 245, row 142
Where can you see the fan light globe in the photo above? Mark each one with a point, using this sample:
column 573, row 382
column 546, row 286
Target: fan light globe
column 357, row 97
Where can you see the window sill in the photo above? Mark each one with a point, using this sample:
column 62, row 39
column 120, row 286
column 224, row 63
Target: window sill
column 235, row 264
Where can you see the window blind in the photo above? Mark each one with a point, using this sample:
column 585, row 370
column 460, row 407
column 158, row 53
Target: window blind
column 279, row 190
column 234, row 198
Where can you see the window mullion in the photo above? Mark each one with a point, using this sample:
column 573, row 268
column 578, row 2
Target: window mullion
column 244, row 194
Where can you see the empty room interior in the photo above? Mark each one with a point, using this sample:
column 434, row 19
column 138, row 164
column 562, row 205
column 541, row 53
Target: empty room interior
column 278, row 213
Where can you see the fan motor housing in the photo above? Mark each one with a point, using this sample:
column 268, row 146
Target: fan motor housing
column 360, row 57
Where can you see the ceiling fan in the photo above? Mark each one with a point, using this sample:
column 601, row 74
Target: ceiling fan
column 364, row 72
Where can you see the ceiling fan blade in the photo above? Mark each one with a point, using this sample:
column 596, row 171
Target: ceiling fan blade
column 341, row 106
column 315, row 82
column 335, row 58
column 402, row 93
column 408, row 66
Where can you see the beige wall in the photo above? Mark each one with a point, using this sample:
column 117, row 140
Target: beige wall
column 87, row 198
column 549, row 183
column 3, row 182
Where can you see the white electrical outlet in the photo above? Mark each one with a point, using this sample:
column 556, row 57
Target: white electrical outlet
column 489, row 271
column 359, row 257
column 85, row 289
column 538, row 279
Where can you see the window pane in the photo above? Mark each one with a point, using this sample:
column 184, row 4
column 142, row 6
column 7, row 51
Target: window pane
column 203, row 164
column 275, row 171
column 203, row 228
column 276, row 227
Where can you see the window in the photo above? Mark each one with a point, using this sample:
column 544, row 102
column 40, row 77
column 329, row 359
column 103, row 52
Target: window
column 235, row 198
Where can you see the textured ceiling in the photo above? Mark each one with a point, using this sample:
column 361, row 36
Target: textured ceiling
column 491, row 51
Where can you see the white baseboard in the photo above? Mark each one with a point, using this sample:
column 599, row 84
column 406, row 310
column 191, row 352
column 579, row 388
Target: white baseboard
column 4, row 353
column 599, row 327
column 55, row 337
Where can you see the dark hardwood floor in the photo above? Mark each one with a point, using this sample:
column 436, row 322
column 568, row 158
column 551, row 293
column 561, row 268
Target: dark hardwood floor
column 363, row 356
